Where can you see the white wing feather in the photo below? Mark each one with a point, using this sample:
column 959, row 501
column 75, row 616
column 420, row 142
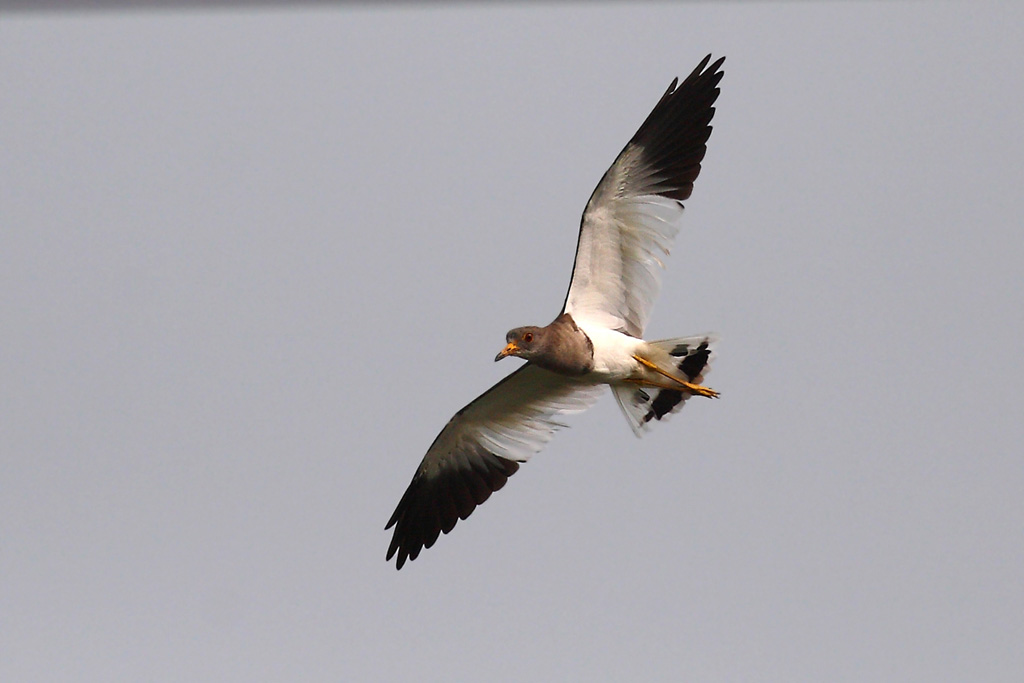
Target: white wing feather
column 516, row 417
column 624, row 238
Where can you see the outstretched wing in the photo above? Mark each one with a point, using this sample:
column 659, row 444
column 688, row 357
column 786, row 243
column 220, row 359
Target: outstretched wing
column 479, row 449
column 632, row 216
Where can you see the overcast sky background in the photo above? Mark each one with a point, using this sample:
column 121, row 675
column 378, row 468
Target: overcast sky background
column 251, row 261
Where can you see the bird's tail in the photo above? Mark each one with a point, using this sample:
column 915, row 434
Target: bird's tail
column 687, row 358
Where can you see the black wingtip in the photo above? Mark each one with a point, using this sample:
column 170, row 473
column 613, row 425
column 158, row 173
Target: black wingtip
column 433, row 504
column 702, row 69
column 675, row 133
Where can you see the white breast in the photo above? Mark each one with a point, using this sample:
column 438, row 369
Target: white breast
column 613, row 354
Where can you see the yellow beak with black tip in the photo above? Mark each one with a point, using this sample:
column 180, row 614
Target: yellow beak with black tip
column 511, row 349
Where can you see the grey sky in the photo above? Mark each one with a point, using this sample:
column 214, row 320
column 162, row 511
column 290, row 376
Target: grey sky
column 252, row 261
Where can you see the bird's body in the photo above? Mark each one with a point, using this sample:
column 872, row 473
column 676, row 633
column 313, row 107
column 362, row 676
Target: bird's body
column 614, row 353
column 597, row 339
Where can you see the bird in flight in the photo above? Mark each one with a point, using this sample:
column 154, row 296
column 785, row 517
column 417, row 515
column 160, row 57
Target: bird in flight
column 597, row 340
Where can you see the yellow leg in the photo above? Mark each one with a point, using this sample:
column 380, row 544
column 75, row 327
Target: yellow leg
column 692, row 388
column 655, row 385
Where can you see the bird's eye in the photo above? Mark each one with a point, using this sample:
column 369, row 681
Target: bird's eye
column 528, row 337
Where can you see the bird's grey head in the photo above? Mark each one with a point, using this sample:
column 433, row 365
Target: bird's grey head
column 560, row 347
column 524, row 342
